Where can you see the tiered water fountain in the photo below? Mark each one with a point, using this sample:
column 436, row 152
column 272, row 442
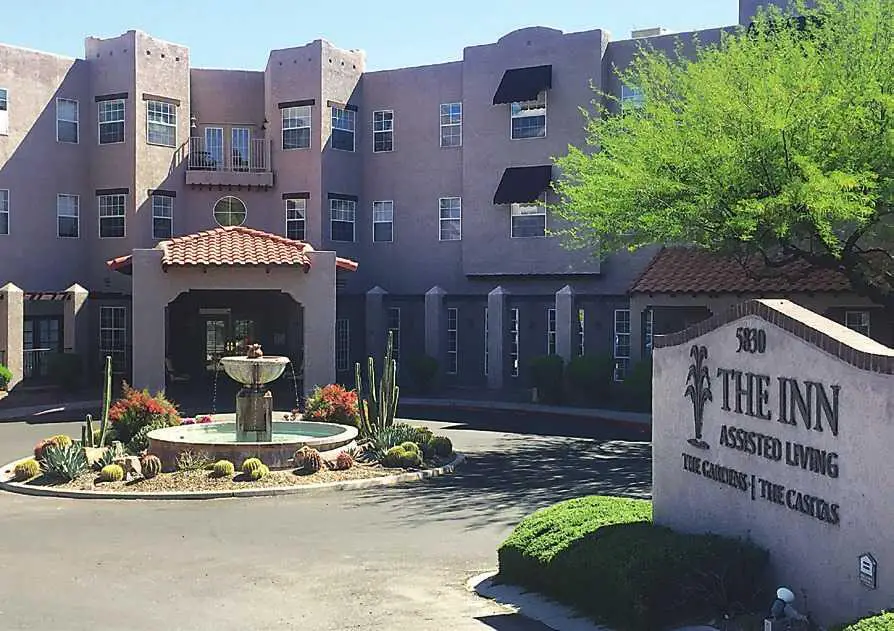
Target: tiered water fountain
column 251, row 432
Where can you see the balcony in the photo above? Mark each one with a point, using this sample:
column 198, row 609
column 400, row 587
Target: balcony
column 247, row 165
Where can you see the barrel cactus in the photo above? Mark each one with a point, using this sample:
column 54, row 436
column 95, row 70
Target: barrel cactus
column 60, row 440
column 111, row 473
column 40, row 447
column 151, row 466
column 409, row 446
column 313, row 461
column 223, row 469
column 423, row 435
column 259, row 472
column 343, row 461
column 26, row 469
column 440, row 446
column 250, row 465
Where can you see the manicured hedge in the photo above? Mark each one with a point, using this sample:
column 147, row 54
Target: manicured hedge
column 881, row 622
column 603, row 556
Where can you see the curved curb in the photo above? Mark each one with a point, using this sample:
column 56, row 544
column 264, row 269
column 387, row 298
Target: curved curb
column 390, row 480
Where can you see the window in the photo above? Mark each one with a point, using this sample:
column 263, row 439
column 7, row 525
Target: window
column 857, row 321
column 67, row 120
column 486, row 336
column 4, row 211
column 513, row 342
column 451, row 218
column 296, row 127
column 113, row 335
column 550, row 331
column 451, row 124
column 581, row 335
column 4, row 114
column 648, row 327
column 341, row 216
column 632, row 96
column 229, row 211
column 342, row 344
column 162, row 217
column 622, row 343
column 452, row 341
column 394, row 330
column 528, row 118
column 343, row 129
column 111, row 216
column 111, row 121
column 240, row 147
column 383, row 131
column 296, row 210
column 528, row 220
column 161, row 123
column 383, row 221
column 67, row 213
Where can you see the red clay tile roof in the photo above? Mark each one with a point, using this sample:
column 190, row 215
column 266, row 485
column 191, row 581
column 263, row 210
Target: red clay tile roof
column 677, row 270
column 233, row 245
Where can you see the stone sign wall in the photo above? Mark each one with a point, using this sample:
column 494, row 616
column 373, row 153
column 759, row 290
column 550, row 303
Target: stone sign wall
column 776, row 424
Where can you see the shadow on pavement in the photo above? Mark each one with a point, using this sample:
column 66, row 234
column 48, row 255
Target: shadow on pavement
column 512, row 622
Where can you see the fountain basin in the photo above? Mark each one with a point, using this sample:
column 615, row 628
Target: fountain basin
column 217, row 441
column 254, row 371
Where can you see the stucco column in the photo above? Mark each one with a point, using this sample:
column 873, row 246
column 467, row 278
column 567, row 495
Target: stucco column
column 150, row 296
column 12, row 318
column 375, row 322
column 566, row 321
column 434, row 317
column 638, row 306
column 496, row 333
column 73, row 324
column 316, row 291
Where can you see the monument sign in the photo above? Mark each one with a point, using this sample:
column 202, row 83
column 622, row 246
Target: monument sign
column 774, row 423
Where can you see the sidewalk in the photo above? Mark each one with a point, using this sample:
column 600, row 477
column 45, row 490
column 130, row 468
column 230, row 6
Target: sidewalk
column 509, row 406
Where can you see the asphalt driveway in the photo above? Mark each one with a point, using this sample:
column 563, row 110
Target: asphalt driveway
column 385, row 559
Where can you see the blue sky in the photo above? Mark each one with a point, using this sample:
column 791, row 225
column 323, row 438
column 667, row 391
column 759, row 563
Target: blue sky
column 394, row 33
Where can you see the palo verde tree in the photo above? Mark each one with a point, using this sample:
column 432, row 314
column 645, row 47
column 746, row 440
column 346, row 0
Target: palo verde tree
column 774, row 146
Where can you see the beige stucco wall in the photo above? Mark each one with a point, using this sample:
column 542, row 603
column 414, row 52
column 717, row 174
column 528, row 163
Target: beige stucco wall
column 154, row 288
column 817, row 559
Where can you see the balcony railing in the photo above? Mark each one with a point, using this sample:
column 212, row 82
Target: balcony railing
column 228, row 165
column 35, row 362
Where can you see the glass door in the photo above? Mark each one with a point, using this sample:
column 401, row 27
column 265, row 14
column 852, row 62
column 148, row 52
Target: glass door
column 42, row 336
column 214, row 147
column 215, row 341
column 240, row 145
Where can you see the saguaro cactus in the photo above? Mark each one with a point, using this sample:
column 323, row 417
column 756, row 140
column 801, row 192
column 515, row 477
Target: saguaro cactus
column 378, row 409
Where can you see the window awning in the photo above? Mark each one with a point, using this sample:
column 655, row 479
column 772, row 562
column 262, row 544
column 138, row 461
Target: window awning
column 521, row 185
column 523, row 84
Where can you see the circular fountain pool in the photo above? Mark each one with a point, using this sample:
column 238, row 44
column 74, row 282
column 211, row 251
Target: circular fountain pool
column 217, row 441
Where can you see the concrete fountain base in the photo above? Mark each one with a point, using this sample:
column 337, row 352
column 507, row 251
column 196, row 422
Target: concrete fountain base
column 217, row 441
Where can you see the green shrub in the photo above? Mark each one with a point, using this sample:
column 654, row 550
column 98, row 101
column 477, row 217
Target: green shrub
column 603, row 556
column 636, row 389
column 546, row 375
column 26, row 469
column 260, row 472
column 882, row 622
column 65, row 370
column 589, row 379
column 5, row 376
column 223, row 469
column 332, row 404
column 137, row 408
column 424, row 370
column 140, row 441
column 111, row 473
column 150, row 465
column 66, row 462
column 440, row 446
column 250, row 464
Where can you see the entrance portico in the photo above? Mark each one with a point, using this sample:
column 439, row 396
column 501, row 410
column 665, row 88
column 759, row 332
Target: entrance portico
column 227, row 259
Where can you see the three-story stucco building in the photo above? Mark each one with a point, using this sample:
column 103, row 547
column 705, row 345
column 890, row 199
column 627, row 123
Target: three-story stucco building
column 152, row 211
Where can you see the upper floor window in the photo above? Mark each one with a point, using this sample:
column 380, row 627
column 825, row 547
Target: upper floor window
column 111, row 121
column 296, row 127
column 162, row 217
column 383, row 221
column 528, row 220
column 383, row 131
column 4, row 211
column 450, row 216
column 68, row 216
column 451, row 124
column 341, row 215
column 632, row 96
column 857, row 321
column 111, row 216
column 161, row 123
column 296, row 210
column 4, row 114
column 528, row 118
column 67, row 113
column 229, row 211
column 343, row 125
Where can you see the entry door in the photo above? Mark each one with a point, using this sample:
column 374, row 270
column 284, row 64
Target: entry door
column 42, row 336
column 215, row 341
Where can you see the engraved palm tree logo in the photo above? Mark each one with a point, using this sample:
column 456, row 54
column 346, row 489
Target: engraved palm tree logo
column 698, row 389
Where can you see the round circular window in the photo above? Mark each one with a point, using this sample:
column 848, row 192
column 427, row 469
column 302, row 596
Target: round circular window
column 229, row 211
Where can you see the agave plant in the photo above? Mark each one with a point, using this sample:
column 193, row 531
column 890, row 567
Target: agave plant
column 386, row 438
column 115, row 450
column 66, row 462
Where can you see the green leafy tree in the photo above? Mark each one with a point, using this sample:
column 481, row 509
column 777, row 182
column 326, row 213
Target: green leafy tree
column 775, row 146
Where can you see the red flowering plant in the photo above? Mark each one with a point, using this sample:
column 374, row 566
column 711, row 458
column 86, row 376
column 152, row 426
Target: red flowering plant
column 137, row 409
column 332, row 404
